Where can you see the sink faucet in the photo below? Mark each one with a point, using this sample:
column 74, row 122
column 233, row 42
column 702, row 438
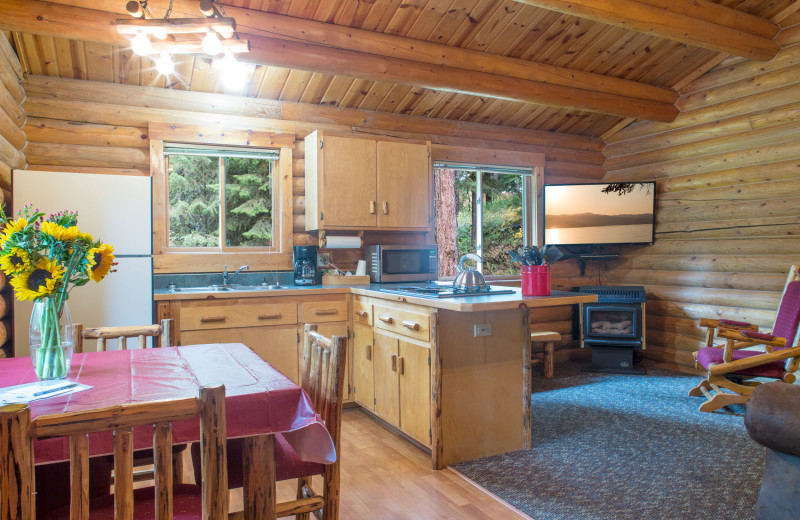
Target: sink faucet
column 226, row 279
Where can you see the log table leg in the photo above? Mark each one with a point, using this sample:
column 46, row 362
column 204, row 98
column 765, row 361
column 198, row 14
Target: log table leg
column 259, row 477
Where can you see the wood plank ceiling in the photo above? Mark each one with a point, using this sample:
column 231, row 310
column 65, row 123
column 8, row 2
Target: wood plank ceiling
column 506, row 28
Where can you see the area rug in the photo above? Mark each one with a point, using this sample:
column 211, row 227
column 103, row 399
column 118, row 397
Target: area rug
column 626, row 447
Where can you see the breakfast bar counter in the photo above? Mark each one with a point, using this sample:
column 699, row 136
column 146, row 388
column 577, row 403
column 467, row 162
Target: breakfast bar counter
column 453, row 374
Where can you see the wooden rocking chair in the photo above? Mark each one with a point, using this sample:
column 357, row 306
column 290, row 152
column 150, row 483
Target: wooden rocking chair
column 732, row 368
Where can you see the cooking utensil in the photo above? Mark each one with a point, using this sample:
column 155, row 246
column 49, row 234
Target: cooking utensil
column 551, row 254
column 469, row 278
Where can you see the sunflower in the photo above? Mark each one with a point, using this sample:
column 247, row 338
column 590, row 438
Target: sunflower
column 12, row 226
column 15, row 261
column 99, row 261
column 39, row 281
column 60, row 232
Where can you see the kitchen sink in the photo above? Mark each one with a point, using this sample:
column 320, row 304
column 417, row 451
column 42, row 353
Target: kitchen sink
column 226, row 288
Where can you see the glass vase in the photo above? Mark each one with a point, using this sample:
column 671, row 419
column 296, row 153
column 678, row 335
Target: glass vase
column 50, row 339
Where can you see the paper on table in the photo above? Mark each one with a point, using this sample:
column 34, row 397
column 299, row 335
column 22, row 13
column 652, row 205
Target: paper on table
column 38, row 390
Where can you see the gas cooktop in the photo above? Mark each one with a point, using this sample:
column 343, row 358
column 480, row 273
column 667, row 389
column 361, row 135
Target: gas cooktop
column 443, row 290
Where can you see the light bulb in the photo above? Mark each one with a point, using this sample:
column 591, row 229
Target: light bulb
column 164, row 64
column 229, row 62
column 211, row 44
column 141, row 44
column 234, row 74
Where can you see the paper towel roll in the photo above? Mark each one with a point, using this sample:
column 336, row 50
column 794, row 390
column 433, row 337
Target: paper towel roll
column 337, row 242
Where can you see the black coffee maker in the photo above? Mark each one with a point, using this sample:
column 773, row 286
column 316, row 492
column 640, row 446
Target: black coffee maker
column 305, row 265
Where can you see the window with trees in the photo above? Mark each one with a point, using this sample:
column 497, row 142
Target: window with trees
column 481, row 210
column 220, row 198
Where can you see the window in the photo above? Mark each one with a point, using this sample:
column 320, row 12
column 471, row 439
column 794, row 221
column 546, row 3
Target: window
column 220, row 198
column 482, row 210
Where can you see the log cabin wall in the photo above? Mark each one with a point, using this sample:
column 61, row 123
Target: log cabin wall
column 76, row 125
column 728, row 201
column 12, row 145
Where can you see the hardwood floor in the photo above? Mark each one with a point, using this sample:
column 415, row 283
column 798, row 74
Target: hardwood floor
column 386, row 477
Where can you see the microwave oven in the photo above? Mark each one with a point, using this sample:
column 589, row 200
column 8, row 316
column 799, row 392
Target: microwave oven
column 408, row 263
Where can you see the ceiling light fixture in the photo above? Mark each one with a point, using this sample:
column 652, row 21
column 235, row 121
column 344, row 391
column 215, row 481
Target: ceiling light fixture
column 169, row 36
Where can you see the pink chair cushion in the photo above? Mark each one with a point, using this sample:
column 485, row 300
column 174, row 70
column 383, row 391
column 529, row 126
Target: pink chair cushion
column 287, row 463
column 707, row 356
column 187, row 503
column 788, row 318
column 733, row 323
column 757, row 335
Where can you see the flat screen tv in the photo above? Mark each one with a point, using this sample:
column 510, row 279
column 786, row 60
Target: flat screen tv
column 597, row 214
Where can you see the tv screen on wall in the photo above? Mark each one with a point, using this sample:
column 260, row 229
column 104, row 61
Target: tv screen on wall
column 596, row 214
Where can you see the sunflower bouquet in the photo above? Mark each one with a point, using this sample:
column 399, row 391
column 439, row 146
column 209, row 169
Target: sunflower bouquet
column 45, row 257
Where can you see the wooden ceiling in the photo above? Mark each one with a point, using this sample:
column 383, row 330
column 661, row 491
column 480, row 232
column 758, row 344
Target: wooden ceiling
column 511, row 29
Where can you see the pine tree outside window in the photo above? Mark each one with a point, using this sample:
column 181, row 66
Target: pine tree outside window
column 220, row 199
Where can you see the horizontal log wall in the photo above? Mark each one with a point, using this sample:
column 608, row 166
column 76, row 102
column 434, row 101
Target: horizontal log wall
column 728, row 202
column 98, row 127
column 12, row 155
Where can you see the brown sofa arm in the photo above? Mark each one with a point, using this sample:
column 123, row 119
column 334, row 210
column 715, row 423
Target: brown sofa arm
column 772, row 417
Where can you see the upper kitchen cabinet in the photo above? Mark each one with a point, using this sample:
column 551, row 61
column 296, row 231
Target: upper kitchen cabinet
column 355, row 183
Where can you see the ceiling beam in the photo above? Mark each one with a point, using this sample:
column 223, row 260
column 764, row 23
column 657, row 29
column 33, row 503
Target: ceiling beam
column 699, row 23
column 343, row 37
column 394, row 59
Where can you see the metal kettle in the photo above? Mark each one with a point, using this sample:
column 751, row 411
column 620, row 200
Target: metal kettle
column 469, row 279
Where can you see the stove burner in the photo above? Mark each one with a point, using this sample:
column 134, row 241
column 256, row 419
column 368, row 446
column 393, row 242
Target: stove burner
column 444, row 290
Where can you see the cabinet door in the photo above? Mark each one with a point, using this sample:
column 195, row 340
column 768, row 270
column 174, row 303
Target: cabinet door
column 415, row 391
column 348, row 185
column 404, row 187
column 277, row 346
column 328, row 330
column 363, row 390
column 387, row 397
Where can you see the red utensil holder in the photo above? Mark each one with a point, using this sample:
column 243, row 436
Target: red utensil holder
column 536, row 280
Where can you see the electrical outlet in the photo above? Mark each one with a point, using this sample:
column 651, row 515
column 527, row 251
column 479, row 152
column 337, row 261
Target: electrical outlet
column 483, row 329
column 323, row 260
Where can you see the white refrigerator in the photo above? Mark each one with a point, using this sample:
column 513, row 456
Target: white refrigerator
column 116, row 209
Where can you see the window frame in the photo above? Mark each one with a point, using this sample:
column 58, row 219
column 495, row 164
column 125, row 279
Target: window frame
column 476, row 158
column 222, row 248
column 277, row 257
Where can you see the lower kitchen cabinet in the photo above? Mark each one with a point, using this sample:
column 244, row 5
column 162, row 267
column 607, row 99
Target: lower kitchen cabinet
column 363, row 378
column 401, row 372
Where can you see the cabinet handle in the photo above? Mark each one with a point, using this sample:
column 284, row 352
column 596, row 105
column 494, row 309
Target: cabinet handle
column 410, row 325
column 269, row 316
column 209, row 319
column 369, row 352
column 363, row 314
column 394, row 362
column 385, row 208
column 401, row 366
column 325, row 312
column 385, row 318
column 372, row 207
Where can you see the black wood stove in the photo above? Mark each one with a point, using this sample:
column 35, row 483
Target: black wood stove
column 613, row 327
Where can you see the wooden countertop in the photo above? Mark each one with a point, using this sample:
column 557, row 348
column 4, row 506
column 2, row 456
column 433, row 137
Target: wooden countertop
column 461, row 304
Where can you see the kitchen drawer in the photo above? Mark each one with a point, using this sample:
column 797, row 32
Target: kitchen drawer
column 401, row 321
column 316, row 312
column 223, row 315
column 362, row 312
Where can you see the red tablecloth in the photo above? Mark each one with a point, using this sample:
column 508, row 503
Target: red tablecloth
column 259, row 399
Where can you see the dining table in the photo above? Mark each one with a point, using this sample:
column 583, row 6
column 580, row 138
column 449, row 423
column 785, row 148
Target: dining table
column 259, row 402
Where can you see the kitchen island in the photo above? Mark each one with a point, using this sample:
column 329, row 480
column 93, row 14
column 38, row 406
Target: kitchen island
column 453, row 374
